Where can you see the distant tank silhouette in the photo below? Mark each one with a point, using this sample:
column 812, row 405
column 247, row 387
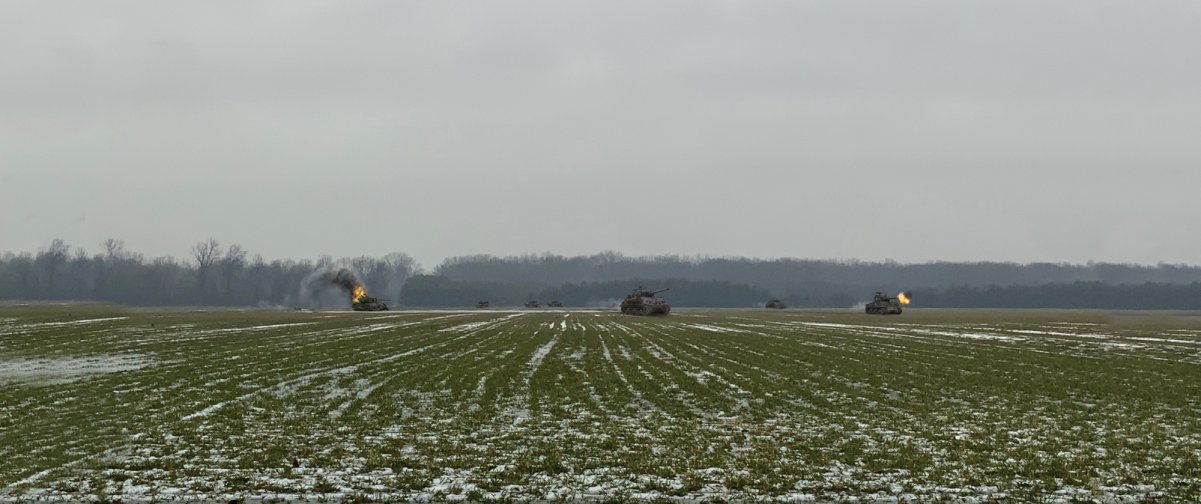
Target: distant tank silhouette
column 368, row 303
column 776, row 303
column 554, row 304
column 532, row 304
column 481, row 304
column 884, row 305
column 643, row 302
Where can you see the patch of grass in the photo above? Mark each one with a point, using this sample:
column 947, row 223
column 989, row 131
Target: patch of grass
column 702, row 405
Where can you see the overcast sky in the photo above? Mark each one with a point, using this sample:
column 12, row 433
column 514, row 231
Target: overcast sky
column 957, row 130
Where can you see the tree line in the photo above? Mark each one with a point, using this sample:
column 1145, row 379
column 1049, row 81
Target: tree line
column 217, row 274
column 435, row 291
column 213, row 274
column 781, row 275
column 846, row 283
column 440, row 291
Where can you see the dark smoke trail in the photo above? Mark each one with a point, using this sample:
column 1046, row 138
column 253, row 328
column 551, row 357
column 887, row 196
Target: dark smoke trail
column 343, row 278
column 317, row 289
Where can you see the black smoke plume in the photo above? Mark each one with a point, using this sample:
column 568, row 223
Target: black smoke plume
column 327, row 288
column 343, row 278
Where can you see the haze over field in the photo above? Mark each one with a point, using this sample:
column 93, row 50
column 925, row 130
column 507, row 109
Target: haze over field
column 1021, row 131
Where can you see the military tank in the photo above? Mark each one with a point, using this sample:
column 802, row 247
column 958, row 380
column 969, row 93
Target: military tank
column 532, row 304
column 481, row 304
column 554, row 304
column 644, row 302
column 368, row 303
column 883, row 304
column 776, row 303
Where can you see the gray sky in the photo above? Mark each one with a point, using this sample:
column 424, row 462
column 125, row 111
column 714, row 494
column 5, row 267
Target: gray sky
column 957, row 130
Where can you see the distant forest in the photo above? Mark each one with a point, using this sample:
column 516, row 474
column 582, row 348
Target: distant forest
column 217, row 275
column 212, row 275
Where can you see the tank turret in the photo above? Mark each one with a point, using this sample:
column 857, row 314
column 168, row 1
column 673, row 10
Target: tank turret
column 368, row 303
column 643, row 302
column 885, row 305
column 776, row 303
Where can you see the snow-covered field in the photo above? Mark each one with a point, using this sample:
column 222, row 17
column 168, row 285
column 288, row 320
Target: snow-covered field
column 101, row 404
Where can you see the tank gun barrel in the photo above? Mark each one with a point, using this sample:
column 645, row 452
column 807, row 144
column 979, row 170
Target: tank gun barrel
column 642, row 301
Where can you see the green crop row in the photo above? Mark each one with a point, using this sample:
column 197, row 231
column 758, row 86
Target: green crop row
column 104, row 403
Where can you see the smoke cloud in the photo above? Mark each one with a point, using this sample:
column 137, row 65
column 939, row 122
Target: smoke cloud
column 343, row 278
column 327, row 287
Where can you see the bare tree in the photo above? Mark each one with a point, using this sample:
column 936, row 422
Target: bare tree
column 401, row 263
column 206, row 254
column 400, row 266
column 113, row 249
column 235, row 259
column 361, row 265
column 51, row 258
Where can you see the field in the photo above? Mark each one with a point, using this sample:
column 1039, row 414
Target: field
column 105, row 403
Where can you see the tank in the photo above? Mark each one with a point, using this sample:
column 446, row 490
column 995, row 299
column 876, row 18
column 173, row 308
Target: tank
column 481, row 304
column 644, row 302
column 884, row 305
column 368, row 303
column 776, row 303
column 554, row 304
column 532, row 304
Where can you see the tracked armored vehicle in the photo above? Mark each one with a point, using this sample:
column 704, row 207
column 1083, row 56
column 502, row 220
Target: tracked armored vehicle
column 644, row 302
column 481, row 304
column 554, row 304
column 368, row 303
column 532, row 304
column 884, row 305
column 776, row 303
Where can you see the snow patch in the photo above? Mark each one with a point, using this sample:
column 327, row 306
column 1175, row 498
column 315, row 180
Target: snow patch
column 55, row 370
